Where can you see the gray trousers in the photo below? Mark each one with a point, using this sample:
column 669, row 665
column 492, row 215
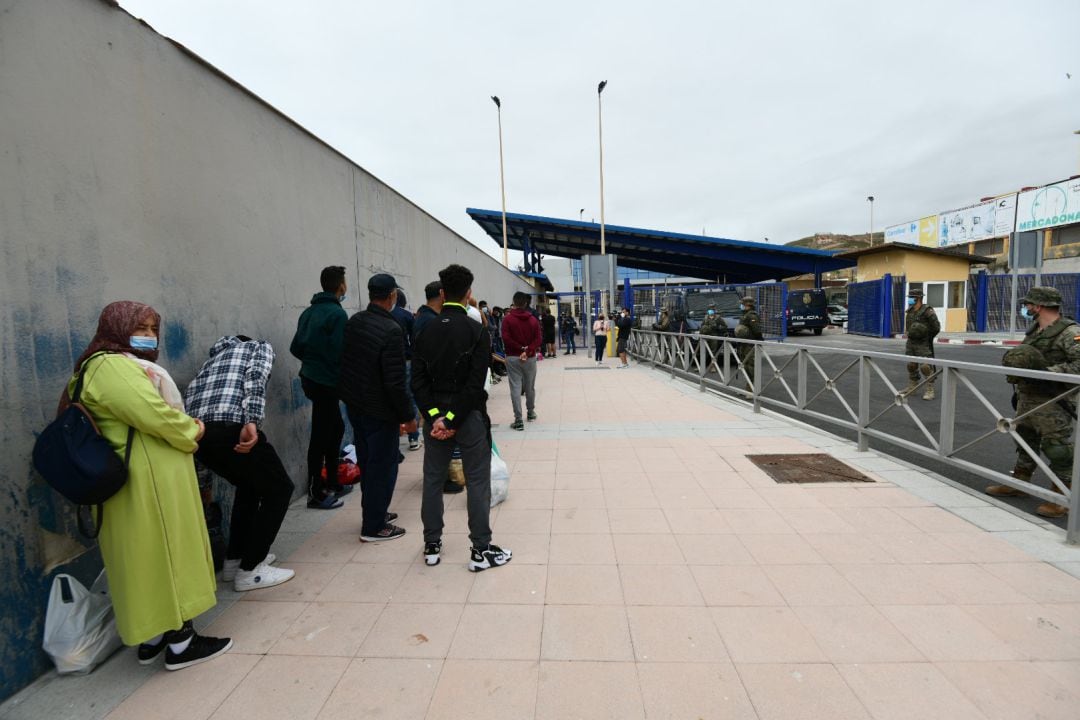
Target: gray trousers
column 472, row 439
column 521, row 372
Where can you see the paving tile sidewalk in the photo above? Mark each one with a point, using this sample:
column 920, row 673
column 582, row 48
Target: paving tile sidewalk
column 657, row 573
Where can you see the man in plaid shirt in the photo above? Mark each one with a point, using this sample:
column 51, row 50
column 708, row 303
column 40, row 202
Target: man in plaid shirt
column 229, row 396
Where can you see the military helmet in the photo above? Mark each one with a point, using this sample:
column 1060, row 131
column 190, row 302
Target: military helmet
column 915, row 293
column 748, row 301
column 1026, row 357
column 1041, row 295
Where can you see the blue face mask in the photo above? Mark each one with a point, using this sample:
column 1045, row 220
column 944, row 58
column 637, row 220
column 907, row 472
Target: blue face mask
column 1027, row 314
column 138, row 342
column 343, row 298
column 712, row 312
column 911, row 302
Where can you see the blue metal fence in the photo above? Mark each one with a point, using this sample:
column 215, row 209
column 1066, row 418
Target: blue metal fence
column 873, row 307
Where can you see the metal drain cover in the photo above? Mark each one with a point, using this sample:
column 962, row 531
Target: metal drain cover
column 819, row 468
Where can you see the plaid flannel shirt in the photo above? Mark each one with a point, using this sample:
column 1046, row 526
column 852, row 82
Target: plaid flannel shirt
column 231, row 386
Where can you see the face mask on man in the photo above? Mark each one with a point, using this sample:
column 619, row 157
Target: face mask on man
column 343, row 298
column 712, row 312
column 1028, row 314
column 140, row 342
column 911, row 302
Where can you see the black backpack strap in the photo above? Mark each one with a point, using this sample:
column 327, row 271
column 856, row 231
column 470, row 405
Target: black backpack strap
column 76, row 393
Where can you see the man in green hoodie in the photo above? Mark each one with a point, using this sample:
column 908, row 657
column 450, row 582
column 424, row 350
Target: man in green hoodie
column 317, row 345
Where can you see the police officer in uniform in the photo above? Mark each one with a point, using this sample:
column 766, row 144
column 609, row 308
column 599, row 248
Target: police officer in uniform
column 749, row 328
column 713, row 325
column 1052, row 343
column 922, row 326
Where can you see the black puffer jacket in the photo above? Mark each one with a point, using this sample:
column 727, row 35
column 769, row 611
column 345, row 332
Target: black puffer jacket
column 373, row 367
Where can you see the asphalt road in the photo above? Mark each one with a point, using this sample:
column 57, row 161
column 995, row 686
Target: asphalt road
column 973, row 419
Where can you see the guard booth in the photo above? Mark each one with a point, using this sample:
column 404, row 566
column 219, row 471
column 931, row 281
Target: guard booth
column 886, row 273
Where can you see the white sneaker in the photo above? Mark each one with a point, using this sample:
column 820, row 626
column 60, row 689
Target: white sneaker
column 228, row 573
column 263, row 576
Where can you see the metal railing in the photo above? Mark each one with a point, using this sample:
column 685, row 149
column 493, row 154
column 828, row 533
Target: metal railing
column 714, row 363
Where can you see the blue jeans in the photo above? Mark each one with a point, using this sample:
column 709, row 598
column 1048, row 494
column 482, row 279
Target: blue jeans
column 377, row 456
column 568, row 342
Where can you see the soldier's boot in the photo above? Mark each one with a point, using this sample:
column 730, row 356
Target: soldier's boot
column 1007, row 490
column 911, row 386
column 1053, row 510
column 929, row 394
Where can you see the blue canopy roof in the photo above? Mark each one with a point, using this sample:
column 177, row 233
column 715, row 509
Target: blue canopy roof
column 696, row 256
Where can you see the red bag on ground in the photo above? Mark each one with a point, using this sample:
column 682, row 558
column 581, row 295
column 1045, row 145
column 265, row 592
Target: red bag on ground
column 348, row 472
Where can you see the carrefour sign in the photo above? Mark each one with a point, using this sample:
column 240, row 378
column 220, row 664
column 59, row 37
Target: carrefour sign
column 1049, row 206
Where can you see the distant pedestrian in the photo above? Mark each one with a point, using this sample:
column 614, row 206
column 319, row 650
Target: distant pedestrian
column 547, row 322
column 715, row 326
column 521, row 336
column 317, row 345
column 1052, row 343
column 624, row 325
column 450, row 364
column 749, row 328
column 229, row 395
column 433, row 295
column 600, row 327
column 373, row 387
column 569, row 330
column 921, row 325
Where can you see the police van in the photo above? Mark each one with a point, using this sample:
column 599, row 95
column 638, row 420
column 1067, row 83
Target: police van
column 807, row 310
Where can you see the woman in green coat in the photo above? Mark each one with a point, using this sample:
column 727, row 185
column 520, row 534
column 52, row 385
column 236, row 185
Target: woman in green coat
column 153, row 535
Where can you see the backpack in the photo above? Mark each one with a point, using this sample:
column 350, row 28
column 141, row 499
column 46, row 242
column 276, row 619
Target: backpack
column 80, row 464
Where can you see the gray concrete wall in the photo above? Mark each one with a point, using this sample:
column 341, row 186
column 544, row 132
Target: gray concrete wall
column 129, row 169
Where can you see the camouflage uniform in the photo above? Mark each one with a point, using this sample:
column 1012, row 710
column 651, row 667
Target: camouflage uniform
column 713, row 325
column 1049, row 430
column 749, row 328
column 921, row 325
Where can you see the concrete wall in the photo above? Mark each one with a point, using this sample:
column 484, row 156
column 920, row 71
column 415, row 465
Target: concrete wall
column 129, row 169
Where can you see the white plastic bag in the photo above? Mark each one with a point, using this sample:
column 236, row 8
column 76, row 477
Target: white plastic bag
column 80, row 628
column 500, row 479
column 349, row 453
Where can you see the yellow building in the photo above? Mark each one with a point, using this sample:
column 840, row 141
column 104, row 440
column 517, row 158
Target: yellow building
column 942, row 275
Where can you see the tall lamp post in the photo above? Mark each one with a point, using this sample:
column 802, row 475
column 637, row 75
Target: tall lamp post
column 600, row 123
column 870, row 198
column 502, row 181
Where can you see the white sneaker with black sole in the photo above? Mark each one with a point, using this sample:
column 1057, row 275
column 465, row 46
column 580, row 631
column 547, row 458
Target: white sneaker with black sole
column 414, row 444
column 432, row 552
column 228, row 572
column 489, row 557
column 263, row 576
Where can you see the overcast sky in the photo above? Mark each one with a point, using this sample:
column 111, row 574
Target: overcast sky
column 749, row 120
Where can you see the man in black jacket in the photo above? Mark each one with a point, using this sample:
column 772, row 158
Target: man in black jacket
column 450, row 362
column 372, row 385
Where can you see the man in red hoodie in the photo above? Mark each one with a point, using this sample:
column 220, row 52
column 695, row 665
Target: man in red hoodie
column 521, row 336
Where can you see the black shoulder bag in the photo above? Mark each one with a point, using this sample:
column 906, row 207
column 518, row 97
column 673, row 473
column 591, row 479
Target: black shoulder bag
column 80, row 464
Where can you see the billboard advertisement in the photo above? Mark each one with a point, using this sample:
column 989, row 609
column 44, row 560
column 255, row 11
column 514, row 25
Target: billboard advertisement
column 928, row 231
column 993, row 218
column 1049, row 206
column 923, row 231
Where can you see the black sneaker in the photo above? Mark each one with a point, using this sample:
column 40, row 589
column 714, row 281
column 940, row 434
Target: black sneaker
column 432, row 550
column 491, row 556
column 148, row 652
column 391, row 517
column 530, row 416
column 200, row 649
column 343, row 490
column 386, row 532
column 452, row 488
column 517, row 425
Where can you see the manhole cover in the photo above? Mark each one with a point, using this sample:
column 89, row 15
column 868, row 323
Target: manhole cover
column 818, row 468
column 588, row 367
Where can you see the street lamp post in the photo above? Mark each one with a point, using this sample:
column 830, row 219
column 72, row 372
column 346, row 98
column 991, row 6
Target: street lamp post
column 502, row 182
column 870, row 198
column 600, row 123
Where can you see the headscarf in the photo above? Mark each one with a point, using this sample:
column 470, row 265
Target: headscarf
column 117, row 322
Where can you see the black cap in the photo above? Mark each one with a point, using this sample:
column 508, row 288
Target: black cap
column 381, row 285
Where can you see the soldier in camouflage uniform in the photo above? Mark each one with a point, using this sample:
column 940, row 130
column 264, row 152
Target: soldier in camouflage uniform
column 749, row 328
column 921, row 326
column 1049, row 430
column 714, row 325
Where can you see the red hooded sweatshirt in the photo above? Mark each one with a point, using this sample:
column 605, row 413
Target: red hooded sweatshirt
column 521, row 330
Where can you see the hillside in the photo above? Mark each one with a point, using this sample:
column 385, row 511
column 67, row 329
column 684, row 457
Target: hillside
column 836, row 241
